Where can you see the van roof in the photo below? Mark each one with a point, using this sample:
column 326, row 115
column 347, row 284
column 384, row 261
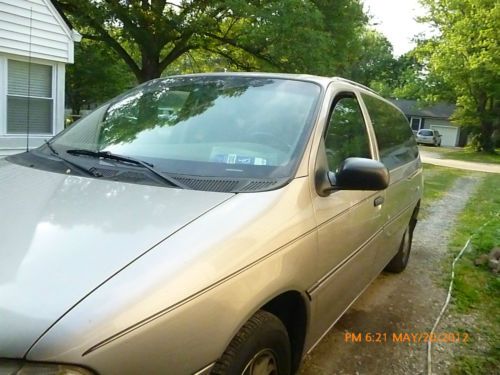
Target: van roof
column 323, row 81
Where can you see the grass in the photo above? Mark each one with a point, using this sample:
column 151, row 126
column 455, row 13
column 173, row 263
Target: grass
column 437, row 181
column 477, row 289
column 464, row 154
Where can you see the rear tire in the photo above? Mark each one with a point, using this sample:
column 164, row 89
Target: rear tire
column 261, row 347
column 400, row 260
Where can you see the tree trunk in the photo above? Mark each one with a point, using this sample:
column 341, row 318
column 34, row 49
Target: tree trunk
column 486, row 136
column 484, row 108
column 150, row 67
column 76, row 105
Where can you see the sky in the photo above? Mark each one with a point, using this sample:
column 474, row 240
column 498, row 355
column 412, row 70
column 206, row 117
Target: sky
column 396, row 20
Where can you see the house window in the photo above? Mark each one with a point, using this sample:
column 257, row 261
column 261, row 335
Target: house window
column 416, row 123
column 29, row 98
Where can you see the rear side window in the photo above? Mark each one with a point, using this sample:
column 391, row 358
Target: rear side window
column 396, row 143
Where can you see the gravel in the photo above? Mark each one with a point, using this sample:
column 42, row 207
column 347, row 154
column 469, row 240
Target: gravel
column 405, row 303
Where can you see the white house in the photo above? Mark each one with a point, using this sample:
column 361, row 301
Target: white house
column 32, row 94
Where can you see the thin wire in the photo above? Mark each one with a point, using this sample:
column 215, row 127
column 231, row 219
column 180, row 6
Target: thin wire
column 448, row 297
column 450, row 288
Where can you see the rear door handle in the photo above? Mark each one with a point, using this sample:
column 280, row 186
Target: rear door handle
column 378, row 201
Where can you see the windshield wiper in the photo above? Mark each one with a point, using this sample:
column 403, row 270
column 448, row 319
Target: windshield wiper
column 127, row 159
column 53, row 151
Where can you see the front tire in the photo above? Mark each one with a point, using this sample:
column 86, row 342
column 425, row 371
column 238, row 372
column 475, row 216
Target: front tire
column 261, row 347
column 400, row 260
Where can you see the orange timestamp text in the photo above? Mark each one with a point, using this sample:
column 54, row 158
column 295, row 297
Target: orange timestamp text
column 405, row 337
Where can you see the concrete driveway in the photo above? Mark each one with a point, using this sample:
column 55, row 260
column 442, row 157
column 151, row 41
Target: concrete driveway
column 437, row 159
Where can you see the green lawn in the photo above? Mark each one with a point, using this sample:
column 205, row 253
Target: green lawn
column 477, row 289
column 465, row 154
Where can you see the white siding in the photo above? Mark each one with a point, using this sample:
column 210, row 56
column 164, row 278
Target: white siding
column 48, row 41
column 59, row 78
column 51, row 38
column 432, row 121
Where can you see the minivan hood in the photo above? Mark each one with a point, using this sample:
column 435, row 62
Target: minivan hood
column 62, row 236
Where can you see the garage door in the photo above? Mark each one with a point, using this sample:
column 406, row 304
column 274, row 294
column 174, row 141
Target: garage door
column 449, row 134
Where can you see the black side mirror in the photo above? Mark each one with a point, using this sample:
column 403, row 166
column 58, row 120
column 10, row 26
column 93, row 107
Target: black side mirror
column 361, row 174
column 355, row 174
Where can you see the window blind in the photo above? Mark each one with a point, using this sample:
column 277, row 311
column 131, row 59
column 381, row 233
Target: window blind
column 40, row 115
column 40, row 79
column 29, row 84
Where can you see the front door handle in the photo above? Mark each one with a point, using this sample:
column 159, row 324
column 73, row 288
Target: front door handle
column 378, row 201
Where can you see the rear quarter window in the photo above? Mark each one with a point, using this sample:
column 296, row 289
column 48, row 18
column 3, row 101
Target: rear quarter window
column 396, row 143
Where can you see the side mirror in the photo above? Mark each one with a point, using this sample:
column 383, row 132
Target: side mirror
column 355, row 174
column 361, row 174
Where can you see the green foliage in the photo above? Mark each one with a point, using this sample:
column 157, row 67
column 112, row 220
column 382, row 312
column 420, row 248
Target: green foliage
column 468, row 154
column 405, row 77
column 96, row 76
column 201, row 61
column 307, row 36
column 372, row 62
column 481, row 218
column 477, row 364
column 466, row 57
column 345, row 23
column 415, row 81
column 411, row 82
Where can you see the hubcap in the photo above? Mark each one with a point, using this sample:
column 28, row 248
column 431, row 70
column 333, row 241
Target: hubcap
column 263, row 363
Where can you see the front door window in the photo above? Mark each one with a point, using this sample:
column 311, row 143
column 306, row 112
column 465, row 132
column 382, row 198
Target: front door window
column 346, row 135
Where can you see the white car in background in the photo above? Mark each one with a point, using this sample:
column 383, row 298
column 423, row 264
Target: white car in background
column 429, row 136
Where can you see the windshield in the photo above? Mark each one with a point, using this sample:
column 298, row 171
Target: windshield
column 426, row 132
column 208, row 126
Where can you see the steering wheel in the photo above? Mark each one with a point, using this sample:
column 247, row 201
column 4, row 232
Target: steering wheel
column 270, row 139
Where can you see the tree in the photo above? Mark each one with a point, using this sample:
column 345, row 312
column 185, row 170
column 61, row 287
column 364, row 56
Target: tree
column 150, row 35
column 373, row 63
column 96, row 76
column 412, row 79
column 466, row 56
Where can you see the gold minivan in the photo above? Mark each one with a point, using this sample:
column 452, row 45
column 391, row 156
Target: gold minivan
column 203, row 224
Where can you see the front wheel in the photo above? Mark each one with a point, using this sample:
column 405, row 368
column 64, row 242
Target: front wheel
column 400, row 260
column 261, row 347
